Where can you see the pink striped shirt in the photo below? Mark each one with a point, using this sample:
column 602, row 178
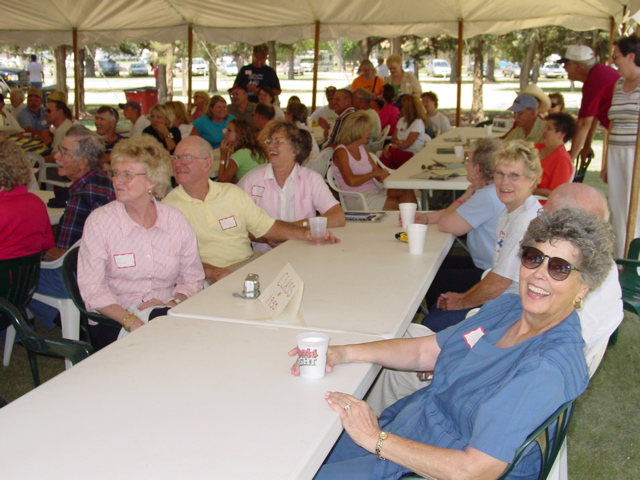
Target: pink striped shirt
column 123, row 263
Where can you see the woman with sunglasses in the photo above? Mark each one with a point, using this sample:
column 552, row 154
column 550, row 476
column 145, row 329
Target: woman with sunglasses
column 497, row 377
column 138, row 256
column 516, row 171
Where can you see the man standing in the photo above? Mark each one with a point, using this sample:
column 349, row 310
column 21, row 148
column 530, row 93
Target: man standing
column 221, row 214
column 32, row 118
column 383, row 70
column 241, row 107
column 258, row 74
column 132, row 112
column 598, row 82
column 58, row 116
column 79, row 159
column 35, row 71
column 106, row 121
column 527, row 124
column 344, row 108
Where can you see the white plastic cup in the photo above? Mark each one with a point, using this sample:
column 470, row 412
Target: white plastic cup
column 408, row 213
column 312, row 354
column 489, row 130
column 463, row 138
column 417, row 236
column 459, row 151
column 318, row 230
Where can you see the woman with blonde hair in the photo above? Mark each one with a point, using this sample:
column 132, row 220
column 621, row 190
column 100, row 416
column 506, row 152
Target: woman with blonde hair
column 240, row 152
column 404, row 83
column 183, row 119
column 138, row 256
column 353, row 168
column 200, row 104
column 161, row 128
column 368, row 79
column 409, row 137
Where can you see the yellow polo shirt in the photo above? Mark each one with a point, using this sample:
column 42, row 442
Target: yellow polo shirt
column 222, row 222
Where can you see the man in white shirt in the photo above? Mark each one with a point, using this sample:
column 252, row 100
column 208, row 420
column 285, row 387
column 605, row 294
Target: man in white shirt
column 133, row 112
column 58, row 116
column 35, row 70
column 327, row 112
column 383, row 70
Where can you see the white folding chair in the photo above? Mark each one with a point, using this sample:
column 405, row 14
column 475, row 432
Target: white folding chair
column 36, row 161
column 43, row 178
column 320, row 163
column 375, row 145
column 69, row 314
column 346, row 195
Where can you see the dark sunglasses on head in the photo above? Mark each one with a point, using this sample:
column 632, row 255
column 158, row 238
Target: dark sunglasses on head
column 558, row 268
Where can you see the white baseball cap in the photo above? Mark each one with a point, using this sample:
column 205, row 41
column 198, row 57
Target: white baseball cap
column 577, row 53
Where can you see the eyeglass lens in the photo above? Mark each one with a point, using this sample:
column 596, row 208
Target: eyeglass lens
column 558, row 268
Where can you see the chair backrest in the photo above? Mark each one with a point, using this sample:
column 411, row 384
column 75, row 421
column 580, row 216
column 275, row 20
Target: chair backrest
column 346, row 195
column 549, row 436
column 320, row 162
column 69, row 275
column 18, row 281
column 629, row 278
column 580, row 167
column 44, row 179
column 36, row 161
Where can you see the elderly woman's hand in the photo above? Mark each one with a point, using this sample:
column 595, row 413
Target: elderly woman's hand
column 335, row 356
column 358, row 419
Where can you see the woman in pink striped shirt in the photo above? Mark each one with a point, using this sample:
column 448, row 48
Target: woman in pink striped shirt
column 138, row 257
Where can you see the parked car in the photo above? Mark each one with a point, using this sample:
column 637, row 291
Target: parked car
column 472, row 66
column 138, row 69
column 323, row 66
column 438, row 68
column 512, row 70
column 199, row 66
column 12, row 77
column 298, row 69
column 553, row 70
column 229, row 69
column 109, row 68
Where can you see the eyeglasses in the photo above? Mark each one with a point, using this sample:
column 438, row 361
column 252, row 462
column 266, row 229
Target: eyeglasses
column 276, row 141
column 126, row 176
column 558, row 268
column 65, row 152
column 555, row 104
column 514, row 177
column 186, row 159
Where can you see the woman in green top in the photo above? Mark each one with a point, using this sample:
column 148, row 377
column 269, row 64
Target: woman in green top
column 240, row 151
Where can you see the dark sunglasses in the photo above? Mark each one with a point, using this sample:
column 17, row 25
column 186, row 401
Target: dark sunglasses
column 558, row 268
column 555, row 104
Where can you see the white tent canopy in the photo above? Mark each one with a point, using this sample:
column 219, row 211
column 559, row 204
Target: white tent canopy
column 50, row 22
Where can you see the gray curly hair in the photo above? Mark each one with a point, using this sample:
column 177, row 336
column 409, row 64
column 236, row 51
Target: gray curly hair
column 591, row 235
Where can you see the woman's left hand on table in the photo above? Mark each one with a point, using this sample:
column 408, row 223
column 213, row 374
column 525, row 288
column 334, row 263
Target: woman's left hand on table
column 358, row 419
column 451, row 301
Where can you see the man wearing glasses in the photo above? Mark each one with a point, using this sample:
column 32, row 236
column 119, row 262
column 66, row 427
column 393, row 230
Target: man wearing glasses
column 79, row 159
column 222, row 215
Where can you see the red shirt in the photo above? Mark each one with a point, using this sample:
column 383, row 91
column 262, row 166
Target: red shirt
column 597, row 92
column 25, row 228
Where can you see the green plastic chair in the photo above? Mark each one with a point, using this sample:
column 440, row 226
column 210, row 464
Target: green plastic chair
column 549, row 446
column 69, row 274
column 629, row 282
column 18, row 280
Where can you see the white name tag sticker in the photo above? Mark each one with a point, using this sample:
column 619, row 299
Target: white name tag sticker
column 473, row 336
column 257, row 191
column 228, row 222
column 247, row 72
column 125, row 260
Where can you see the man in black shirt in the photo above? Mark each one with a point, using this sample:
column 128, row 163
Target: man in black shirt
column 258, row 74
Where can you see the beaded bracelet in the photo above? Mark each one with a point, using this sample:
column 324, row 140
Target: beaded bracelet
column 126, row 324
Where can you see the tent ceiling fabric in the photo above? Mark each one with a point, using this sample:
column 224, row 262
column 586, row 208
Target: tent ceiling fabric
column 50, row 22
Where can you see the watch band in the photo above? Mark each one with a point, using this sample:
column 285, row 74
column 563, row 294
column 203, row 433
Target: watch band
column 381, row 438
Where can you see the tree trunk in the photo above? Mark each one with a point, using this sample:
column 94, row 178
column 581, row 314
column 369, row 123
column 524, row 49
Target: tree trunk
column 213, row 76
column 82, row 53
column 528, row 62
column 396, row 46
column 272, row 54
column 363, row 49
column 453, row 61
column 339, row 55
column 90, row 64
column 61, row 68
column 491, row 70
column 477, row 112
column 162, row 83
column 291, row 55
column 171, row 55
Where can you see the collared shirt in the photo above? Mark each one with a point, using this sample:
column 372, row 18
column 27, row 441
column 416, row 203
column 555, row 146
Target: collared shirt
column 222, row 222
column 597, row 92
column 108, row 146
column 333, row 136
column 26, row 118
column 90, row 191
column 535, row 135
column 247, row 115
column 304, row 193
column 123, row 263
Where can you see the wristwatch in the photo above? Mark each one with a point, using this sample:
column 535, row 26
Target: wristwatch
column 381, row 438
column 175, row 300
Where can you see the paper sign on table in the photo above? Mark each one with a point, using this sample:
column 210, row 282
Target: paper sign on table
column 283, row 296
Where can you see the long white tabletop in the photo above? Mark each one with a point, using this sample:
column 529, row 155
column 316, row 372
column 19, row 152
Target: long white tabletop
column 180, row 399
column 368, row 283
column 54, row 213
